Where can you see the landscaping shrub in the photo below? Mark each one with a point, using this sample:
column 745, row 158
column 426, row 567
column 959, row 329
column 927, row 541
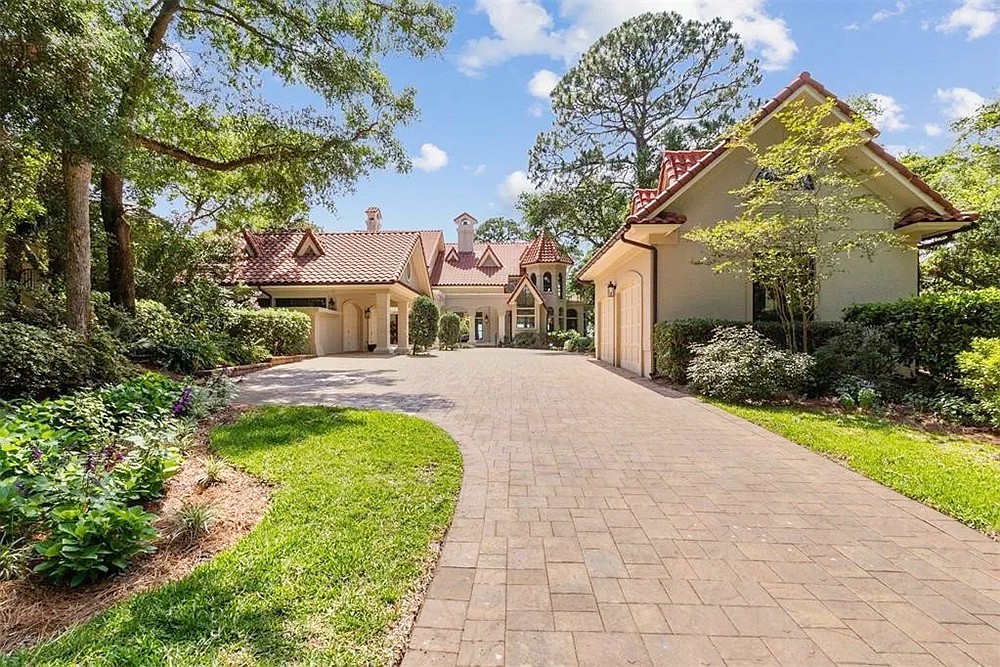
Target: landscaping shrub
column 930, row 330
column 980, row 368
column 740, row 364
column 281, row 331
column 672, row 340
column 187, row 351
column 75, row 471
column 449, row 330
column 423, row 323
column 862, row 352
column 37, row 307
column 579, row 344
column 530, row 339
column 951, row 408
column 37, row 362
column 558, row 338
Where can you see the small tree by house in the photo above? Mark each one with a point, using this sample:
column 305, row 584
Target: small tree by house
column 423, row 323
column 449, row 331
column 793, row 228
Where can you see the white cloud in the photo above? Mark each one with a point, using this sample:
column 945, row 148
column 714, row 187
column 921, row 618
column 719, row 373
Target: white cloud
column 514, row 185
column 476, row 170
column 854, row 25
column 525, row 27
column 884, row 14
column 932, row 129
column 890, row 113
column 977, row 17
column 431, row 158
column 542, row 83
column 959, row 102
column 536, row 110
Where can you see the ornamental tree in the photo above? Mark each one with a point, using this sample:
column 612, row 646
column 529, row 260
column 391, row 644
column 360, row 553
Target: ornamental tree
column 449, row 330
column 792, row 229
column 423, row 323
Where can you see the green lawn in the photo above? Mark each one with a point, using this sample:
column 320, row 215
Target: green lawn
column 956, row 475
column 358, row 496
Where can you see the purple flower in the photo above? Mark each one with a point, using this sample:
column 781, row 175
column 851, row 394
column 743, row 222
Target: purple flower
column 184, row 402
column 36, row 453
column 21, row 488
column 91, row 462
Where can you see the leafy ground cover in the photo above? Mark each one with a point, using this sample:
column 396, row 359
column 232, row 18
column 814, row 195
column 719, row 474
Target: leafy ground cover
column 956, row 475
column 358, row 499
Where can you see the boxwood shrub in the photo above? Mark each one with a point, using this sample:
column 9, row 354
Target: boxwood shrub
column 281, row 331
column 930, row 330
column 530, row 339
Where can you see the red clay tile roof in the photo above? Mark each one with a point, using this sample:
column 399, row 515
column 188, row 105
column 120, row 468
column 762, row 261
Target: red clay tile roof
column 641, row 197
column 677, row 163
column 431, row 238
column 464, row 269
column 685, row 165
column 544, row 250
column 348, row 257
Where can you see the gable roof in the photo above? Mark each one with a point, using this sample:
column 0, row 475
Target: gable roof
column 463, row 268
column 544, row 250
column 346, row 257
column 432, row 240
column 677, row 163
column 523, row 284
column 309, row 245
column 489, row 259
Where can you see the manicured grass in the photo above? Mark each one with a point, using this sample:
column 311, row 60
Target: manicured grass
column 956, row 475
column 358, row 497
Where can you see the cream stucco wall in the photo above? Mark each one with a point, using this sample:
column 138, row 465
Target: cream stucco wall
column 634, row 266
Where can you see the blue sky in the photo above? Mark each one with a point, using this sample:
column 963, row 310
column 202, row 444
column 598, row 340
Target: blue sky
column 479, row 115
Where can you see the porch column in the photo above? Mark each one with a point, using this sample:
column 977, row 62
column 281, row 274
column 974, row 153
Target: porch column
column 403, row 326
column 382, row 316
column 502, row 326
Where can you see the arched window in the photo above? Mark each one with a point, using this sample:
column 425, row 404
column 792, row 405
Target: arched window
column 547, row 283
column 525, row 310
column 561, row 286
column 550, row 320
column 572, row 320
column 562, row 319
column 534, row 280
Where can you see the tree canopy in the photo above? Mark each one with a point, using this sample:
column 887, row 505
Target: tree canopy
column 500, row 229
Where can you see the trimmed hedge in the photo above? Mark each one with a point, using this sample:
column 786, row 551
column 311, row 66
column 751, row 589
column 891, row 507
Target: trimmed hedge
column 930, row 330
column 530, row 339
column 579, row 344
column 980, row 367
column 672, row 340
column 449, row 330
column 281, row 331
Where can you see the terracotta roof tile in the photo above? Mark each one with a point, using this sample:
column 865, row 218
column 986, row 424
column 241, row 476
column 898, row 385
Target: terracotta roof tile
column 677, row 163
column 464, row 268
column 641, row 197
column 544, row 250
column 348, row 257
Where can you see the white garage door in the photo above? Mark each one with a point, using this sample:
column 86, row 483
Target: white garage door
column 630, row 327
column 607, row 321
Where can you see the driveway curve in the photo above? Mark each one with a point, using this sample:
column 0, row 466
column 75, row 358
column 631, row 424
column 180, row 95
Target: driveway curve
column 605, row 521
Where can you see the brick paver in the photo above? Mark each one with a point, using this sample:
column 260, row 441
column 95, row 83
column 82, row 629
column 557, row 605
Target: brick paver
column 605, row 521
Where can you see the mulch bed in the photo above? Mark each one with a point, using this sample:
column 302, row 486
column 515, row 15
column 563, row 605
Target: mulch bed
column 31, row 610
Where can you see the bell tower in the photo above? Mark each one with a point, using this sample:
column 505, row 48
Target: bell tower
column 466, row 225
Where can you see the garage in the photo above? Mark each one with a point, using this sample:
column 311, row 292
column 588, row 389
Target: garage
column 630, row 327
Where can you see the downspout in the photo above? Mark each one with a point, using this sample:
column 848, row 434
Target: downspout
column 652, row 290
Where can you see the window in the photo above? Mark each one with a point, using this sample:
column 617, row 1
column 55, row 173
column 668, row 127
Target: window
column 550, row 320
column 572, row 320
column 562, row 319
column 301, row 302
column 525, row 311
column 534, row 280
column 805, row 183
column 264, row 301
column 547, row 282
column 560, row 286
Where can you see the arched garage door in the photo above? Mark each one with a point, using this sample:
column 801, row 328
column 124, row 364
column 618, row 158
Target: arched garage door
column 630, row 327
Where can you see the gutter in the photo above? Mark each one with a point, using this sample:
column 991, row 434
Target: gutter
column 652, row 290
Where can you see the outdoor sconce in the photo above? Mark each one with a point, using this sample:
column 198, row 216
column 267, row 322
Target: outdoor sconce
column 368, row 313
column 611, row 290
column 331, row 304
column 486, row 318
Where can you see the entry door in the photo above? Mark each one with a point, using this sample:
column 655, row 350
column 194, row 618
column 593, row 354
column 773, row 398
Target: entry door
column 630, row 323
column 350, row 318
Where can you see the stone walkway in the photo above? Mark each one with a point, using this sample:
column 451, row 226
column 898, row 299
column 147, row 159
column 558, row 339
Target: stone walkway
column 604, row 523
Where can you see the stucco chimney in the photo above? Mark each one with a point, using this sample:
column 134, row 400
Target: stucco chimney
column 373, row 219
column 466, row 232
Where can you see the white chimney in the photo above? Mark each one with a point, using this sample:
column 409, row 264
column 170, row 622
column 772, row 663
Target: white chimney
column 373, row 219
column 466, row 232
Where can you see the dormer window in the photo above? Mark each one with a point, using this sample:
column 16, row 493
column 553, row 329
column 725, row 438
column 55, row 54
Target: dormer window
column 309, row 246
column 488, row 260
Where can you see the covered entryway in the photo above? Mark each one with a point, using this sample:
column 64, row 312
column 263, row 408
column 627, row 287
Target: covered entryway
column 352, row 320
column 630, row 327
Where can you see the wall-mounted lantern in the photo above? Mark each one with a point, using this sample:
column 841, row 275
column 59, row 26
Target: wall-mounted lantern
column 611, row 290
column 368, row 313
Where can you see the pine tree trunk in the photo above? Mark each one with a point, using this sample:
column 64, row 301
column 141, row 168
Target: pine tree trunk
column 76, row 179
column 121, row 259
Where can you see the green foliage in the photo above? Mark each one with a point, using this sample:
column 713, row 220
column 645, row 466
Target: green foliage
column 279, row 330
column 195, row 520
column 950, row 407
column 530, row 339
column 558, row 338
column 958, row 476
column 579, row 344
column 423, row 323
column 794, row 225
column 930, row 330
column 581, row 218
column 980, row 369
column 357, row 499
column 500, row 229
column 865, row 352
column 739, row 364
column 15, row 559
column 449, row 330
column 37, row 362
column 88, row 543
column 214, row 471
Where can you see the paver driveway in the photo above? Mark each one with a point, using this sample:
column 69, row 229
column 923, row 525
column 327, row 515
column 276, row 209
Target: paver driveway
column 603, row 523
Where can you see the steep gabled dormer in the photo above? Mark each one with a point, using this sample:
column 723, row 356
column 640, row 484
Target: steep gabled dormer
column 451, row 255
column 309, row 246
column 488, row 260
column 250, row 248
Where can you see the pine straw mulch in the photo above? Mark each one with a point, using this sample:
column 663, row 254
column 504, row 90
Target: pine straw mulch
column 32, row 611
